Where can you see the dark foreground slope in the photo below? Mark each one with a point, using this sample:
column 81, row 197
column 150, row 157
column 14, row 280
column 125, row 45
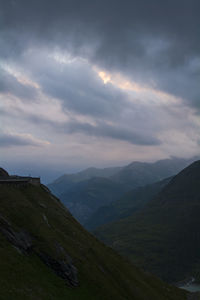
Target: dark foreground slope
column 45, row 254
column 164, row 237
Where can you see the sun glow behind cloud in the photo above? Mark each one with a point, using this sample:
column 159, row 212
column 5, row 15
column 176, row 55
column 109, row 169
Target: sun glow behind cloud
column 148, row 93
column 144, row 92
column 104, row 76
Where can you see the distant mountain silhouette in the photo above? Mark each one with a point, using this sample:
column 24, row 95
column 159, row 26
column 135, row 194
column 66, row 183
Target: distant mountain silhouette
column 66, row 181
column 139, row 173
column 83, row 196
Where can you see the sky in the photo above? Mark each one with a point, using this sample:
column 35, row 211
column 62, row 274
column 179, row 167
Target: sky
column 97, row 83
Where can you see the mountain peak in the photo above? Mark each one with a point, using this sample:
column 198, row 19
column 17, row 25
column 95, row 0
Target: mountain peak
column 3, row 173
column 186, row 181
column 193, row 169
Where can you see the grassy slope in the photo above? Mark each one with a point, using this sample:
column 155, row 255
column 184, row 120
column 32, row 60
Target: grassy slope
column 102, row 273
column 163, row 238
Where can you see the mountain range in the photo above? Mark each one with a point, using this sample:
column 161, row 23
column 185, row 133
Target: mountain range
column 163, row 237
column 87, row 191
column 46, row 254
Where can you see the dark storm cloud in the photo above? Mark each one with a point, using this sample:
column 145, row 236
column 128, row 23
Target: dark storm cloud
column 149, row 40
column 9, row 84
column 114, row 132
column 79, row 87
column 11, row 140
column 120, row 24
column 101, row 129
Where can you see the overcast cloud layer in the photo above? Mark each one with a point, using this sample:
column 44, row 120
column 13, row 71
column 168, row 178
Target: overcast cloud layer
column 98, row 82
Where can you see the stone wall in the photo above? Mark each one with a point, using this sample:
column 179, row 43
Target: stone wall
column 34, row 181
column 20, row 181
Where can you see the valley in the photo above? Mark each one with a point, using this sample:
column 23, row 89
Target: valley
column 163, row 237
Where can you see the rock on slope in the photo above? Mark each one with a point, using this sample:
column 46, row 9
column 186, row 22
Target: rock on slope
column 46, row 254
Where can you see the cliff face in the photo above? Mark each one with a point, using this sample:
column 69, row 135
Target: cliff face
column 46, row 254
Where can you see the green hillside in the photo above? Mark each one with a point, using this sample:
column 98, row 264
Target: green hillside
column 126, row 205
column 46, row 254
column 164, row 237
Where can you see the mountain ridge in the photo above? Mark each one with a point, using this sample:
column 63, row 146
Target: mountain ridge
column 69, row 188
column 163, row 237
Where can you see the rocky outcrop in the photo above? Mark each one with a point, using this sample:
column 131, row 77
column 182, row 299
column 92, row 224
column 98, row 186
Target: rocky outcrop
column 21, row 239
column 24, row 243
column 65, row 270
